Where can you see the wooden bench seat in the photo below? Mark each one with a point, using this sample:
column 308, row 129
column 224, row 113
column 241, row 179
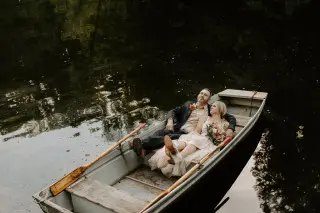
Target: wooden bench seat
column 102, row 197
column 243, row 94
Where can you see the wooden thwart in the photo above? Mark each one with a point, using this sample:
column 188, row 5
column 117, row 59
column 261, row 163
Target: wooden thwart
column 243, row 94
column 106, row 196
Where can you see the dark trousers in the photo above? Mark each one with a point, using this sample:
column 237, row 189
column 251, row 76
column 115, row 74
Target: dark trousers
column 156, row 141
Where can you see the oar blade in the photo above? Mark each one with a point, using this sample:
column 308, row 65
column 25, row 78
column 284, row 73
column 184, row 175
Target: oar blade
column 67, row 180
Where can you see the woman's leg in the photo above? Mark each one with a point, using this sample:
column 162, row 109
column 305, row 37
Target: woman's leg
column 170, row 149
column 170, row 146
column 163, row 161
column 181, row 145
column 189, row 149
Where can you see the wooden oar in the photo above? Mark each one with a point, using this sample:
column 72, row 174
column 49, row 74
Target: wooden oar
column 187, row 175
column 66, row 181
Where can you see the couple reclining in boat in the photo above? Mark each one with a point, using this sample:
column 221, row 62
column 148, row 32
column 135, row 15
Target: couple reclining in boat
column 176, row 155
column 197, row 126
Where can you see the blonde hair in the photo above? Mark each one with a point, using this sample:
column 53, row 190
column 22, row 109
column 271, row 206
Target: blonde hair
column 221, row 107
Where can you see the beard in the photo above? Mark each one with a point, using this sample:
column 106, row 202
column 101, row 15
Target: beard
column 201, row 101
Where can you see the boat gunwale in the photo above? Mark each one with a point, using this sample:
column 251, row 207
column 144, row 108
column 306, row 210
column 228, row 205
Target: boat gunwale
column 48, row 203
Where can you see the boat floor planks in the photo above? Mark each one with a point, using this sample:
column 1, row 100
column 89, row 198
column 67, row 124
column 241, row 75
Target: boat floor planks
column 155, row 178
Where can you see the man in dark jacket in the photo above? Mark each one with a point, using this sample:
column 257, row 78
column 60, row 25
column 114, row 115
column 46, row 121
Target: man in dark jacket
column 182, row 120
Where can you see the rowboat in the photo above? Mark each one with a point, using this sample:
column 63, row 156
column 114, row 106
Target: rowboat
column 122, row 182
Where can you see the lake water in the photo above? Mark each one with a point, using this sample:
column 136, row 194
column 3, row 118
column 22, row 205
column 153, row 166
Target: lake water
column 77, row 75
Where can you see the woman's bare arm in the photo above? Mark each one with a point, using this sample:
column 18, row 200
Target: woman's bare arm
column 226, row 127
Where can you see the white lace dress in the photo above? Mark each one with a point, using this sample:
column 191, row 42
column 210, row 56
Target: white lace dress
column 201, row 141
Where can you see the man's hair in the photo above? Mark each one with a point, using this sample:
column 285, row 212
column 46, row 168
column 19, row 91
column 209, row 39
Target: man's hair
column 208, row 91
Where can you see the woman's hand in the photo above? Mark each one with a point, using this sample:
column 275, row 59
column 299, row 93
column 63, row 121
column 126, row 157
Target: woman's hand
column 199, row 125
column 169, row 125
column 229, row 133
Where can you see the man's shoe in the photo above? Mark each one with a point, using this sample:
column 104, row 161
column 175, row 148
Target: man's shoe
column 169, row 145
column 137, row 147
column 169, row 149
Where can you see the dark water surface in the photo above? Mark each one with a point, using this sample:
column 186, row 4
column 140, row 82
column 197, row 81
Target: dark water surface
column 77, row 75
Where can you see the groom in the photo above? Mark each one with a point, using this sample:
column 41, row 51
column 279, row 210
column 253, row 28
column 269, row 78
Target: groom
column 182, row 120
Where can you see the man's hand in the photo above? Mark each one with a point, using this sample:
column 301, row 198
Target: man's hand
column 229, row 133
column 169, row 126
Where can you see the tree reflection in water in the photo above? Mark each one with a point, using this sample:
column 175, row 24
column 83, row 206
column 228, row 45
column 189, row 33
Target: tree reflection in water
column 114, row 106
column 287, row 175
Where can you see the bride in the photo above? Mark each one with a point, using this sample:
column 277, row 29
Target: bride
column 176, row 155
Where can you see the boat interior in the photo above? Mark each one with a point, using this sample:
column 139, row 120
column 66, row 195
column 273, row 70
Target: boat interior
column 124, row 183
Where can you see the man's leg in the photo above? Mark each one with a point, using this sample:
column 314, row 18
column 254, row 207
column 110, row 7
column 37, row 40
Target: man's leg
column 151, row 143
column 156, row 141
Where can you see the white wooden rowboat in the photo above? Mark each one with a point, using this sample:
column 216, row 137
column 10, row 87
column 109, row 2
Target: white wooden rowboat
column 121, row 182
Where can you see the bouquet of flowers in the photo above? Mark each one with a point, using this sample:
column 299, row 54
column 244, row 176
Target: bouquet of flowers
column 213, row 134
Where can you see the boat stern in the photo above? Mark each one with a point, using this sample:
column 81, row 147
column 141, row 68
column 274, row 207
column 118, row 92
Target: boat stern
column 49, row 204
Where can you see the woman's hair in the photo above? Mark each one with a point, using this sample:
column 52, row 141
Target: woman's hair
column 221, row 107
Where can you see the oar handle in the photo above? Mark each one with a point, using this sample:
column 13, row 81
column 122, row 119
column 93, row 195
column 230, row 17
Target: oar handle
column 116, row 145
column 226, row 141
column 186, row 175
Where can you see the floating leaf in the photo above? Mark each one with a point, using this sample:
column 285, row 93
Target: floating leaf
column 300, row 134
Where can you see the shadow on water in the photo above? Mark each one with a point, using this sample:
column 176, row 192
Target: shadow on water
column 127, row 61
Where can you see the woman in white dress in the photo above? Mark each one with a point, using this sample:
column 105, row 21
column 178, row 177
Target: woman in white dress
column 176, row 155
